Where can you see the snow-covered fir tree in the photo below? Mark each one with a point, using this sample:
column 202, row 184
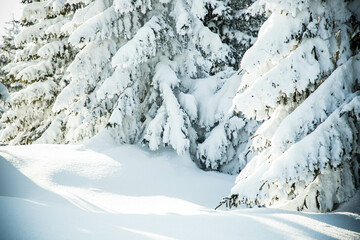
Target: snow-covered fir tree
column 4, row 98
column 302, row 79
column 7, row 54
column 40, row 59
column 159, row 72
column 7, row 49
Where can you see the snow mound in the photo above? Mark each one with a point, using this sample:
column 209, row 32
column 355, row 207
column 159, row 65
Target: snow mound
column 102, row 191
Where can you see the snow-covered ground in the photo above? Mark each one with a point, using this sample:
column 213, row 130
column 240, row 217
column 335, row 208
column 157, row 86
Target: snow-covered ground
column 102, row 191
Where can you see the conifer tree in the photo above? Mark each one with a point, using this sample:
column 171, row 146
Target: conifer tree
column 7, row 54
column 7, row 49
column 141, row 72
column 302, row 79
column 157, row 72
column 40, row 59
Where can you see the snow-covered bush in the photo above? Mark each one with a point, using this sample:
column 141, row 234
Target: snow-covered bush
column 302, row 79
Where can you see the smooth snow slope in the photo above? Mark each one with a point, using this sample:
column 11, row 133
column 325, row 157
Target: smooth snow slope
column 99, row 191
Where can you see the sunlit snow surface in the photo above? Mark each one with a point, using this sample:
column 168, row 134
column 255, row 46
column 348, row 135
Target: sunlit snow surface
column 102, row 191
